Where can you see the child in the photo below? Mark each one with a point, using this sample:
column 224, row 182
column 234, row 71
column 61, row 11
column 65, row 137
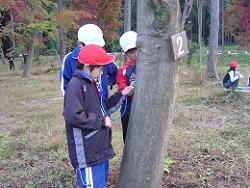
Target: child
column 88, row 130
column 126, row 74
column 232, row 78
column 87, row 34
column 248, row 82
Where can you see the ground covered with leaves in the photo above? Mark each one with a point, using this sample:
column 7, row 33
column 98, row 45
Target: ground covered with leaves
column 209, row 141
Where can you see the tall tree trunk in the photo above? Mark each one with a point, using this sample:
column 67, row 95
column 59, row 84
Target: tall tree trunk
column 61, row 31
column 2, row 55
column 37, row 50
column 30, row 47
column 213, row 42
column 13, row 29
column 186, row 12
column 151, row 113
column 127, row 15
column 222, row 26
column 200, row 21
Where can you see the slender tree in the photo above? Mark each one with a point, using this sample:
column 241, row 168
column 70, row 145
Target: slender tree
column 60, row 30
column 222, row 26
column 213, row 42
column 186, row 12
column 151, row 115
column 127, row 15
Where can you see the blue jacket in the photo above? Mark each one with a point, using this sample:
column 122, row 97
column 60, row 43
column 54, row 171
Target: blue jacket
column 88, row 139
column 69, row 65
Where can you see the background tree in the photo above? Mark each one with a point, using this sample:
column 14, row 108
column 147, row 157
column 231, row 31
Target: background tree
column 213, row 42
column 127, row 15
column 61, row 31
column 188, row 4
column 237, row 21
column 142, row 163
column 29, row 18
column 105, row 14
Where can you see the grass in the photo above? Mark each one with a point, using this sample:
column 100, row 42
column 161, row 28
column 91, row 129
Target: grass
column 208, row 144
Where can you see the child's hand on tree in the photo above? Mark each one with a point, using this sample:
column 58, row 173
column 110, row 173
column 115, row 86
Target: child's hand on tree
column 128, row 91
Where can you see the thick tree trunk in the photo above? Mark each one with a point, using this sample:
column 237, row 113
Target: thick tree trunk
column 61, row 31
column 30, row 47
column 151, row 113
column 213, row 42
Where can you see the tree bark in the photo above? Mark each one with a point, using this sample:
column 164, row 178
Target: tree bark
column 186, row 12
column 61, row 31
column 127, row 15
column 37, row 50
column 2, row 55
column 222, row 26
column 30, row 47
column 213, row 42
column 151, row 113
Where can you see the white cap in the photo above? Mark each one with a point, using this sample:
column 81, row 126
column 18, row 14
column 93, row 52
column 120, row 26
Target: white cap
column 128, row 40
column 91, row 34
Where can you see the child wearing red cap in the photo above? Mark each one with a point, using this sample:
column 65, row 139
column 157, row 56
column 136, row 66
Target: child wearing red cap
column 88, row 130
column 232, row 78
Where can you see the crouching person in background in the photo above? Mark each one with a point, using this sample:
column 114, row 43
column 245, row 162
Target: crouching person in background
column 232, row 77
column 88, row 130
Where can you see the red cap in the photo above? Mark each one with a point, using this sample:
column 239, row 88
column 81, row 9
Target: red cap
column 94, row 55
column 233, row 64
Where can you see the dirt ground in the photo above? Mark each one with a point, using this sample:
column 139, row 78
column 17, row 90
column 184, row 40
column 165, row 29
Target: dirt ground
column 209, row 140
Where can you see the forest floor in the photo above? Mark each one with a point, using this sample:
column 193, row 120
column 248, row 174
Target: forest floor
column 209, row 141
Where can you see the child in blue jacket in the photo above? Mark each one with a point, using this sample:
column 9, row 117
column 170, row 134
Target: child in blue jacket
column 87, row 34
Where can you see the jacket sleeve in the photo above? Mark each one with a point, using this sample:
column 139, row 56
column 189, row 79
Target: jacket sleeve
column 113, row 100
column 66, row 73
column 121, row 79
column 112, row 72
column 233, row 77
column 74, row 113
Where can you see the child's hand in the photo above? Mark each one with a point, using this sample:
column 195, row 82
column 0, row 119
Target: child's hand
column 108, row 122
column 128, row 91
column 239, row 74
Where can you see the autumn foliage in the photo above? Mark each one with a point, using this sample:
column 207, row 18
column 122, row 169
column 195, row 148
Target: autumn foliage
column 104, row 13
column 237, row 21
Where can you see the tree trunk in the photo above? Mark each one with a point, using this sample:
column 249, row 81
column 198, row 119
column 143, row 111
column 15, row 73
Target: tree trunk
column 13, row 30
column 186, row 12
column 127, row 15
column 38, row 47
column 151, row 113
column 213, row 42
column 61, row 31
column 222, row 27
column 30, row 47
column 2, row 55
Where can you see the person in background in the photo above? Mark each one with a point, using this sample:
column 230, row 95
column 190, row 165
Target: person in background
column 126, row 74
column 232, row 77
column 248, row 82
column 10, row 59
column 87, row 34
column 88, row 130
column 25, row 58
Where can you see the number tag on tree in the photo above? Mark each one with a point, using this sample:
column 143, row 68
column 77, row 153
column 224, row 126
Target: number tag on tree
column 180, row 45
